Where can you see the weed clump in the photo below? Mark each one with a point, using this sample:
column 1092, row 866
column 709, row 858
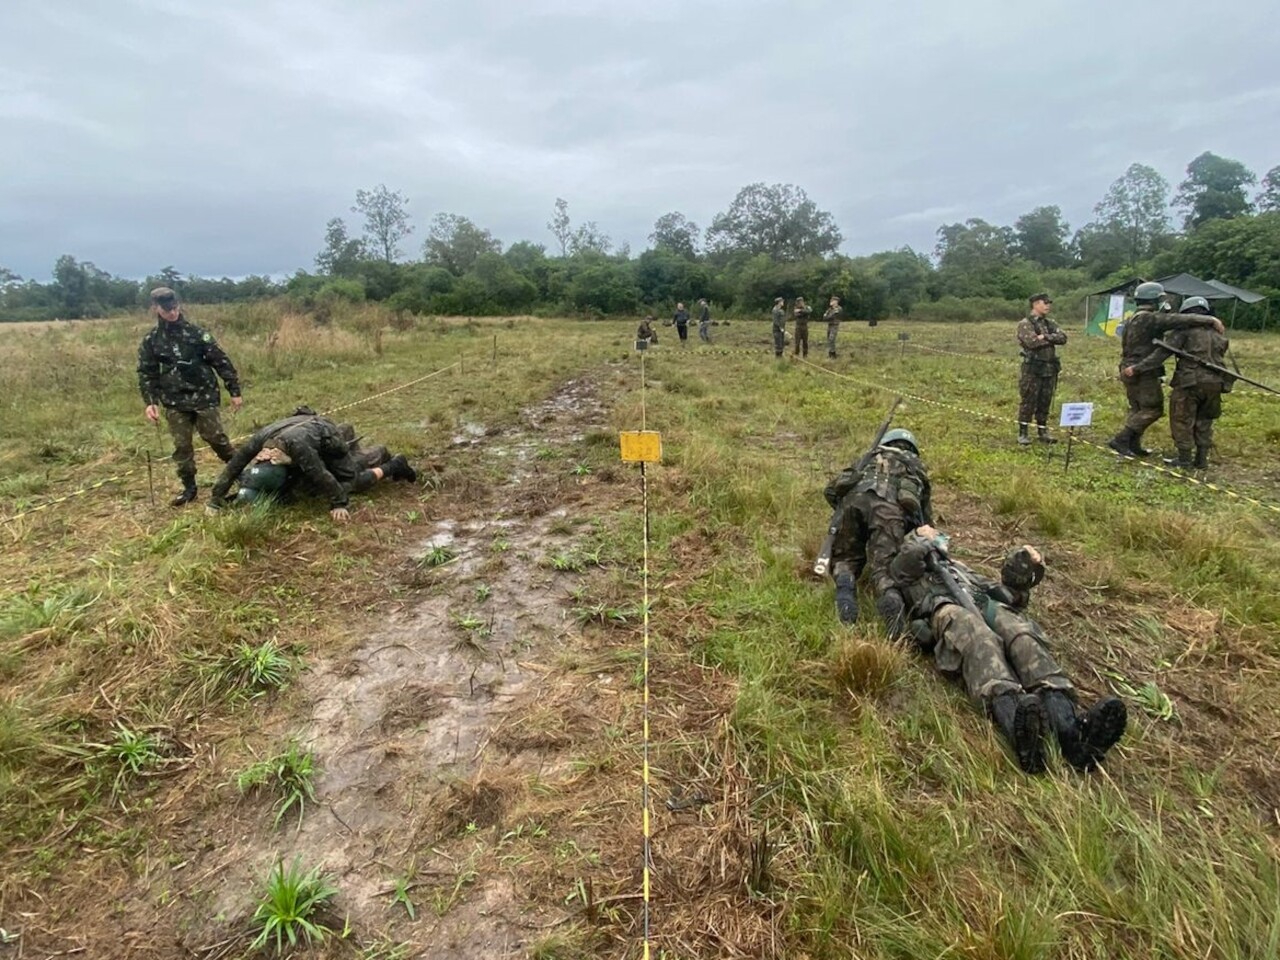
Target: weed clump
column 289, row 907
column 290, row 774
column 863, row 669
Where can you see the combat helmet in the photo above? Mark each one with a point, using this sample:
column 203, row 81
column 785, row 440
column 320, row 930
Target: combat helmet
column 901, row 436
column 1148, row 292
column 1191, row 303
column 261, row 480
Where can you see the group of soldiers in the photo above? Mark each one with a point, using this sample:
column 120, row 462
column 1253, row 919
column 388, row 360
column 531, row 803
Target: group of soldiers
column 1191, row 334
column 976, row 628
column 179, row 365
column 800, row 314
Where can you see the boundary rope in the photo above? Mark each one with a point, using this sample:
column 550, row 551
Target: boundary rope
column 645, row 789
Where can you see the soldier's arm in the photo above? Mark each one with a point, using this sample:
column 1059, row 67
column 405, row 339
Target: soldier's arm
column 235, row 466
column 1152, row 361
column 1028, row 339
column 148, row 372
column 217, row 358
column 910, row 563
column 309, row 463
column 1056, row 334
column 1165, row 322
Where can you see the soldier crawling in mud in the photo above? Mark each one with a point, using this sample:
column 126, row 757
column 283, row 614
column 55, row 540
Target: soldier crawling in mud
column 1195, row 394
column 178, row 369
column 877, row 506
column 308, row 453
column 1038, row 336
column 978, row 631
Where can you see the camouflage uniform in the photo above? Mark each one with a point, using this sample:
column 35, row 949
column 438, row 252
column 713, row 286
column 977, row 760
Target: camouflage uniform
column 646, row 332
column 1002, row 651
column 178, row 369
column 704, row 323
column 1040, row 366
column 833, row 316
column 1195, row 395
column 321, row 455
column 1146, row 398
column 779, row 330
column 800, row 314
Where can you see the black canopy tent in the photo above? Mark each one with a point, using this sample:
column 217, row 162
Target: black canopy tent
column 1184, row 285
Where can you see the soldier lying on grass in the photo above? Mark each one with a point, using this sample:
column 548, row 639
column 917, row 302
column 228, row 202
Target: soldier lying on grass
column 977, row 630
column 310, row 454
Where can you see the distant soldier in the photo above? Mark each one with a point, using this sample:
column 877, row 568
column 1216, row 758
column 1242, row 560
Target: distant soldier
column 779, row 326
column 310, row 453
column 978, row 631
column 800, row 314
column 1142, row 387
column 681, row 320
column 1038, row 336
column 645, row 331
column 833, row 315
column 704, row 321
column 178, row 369
column 1195, row 394
column 878, row 505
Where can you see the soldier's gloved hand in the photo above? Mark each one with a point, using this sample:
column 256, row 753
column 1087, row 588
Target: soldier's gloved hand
column 893, row 611
column 1023, row 568
column 339, row 514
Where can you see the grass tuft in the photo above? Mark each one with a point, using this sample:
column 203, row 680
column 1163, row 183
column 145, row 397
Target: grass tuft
column 289, row 907
column 289, row 774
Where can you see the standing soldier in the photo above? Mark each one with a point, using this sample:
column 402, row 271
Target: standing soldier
column 779, row 326
column 1195, row 395
column 833, row 315
column 1142, row 387
column 800, row 313
column 681, row 320
column 177, row 363
column 1038, row 336
column 704, row 321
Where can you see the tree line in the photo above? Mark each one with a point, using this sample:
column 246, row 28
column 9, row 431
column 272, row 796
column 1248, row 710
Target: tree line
column 772, row 240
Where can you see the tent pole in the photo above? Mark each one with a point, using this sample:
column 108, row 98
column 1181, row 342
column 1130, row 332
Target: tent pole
column 1234, row 302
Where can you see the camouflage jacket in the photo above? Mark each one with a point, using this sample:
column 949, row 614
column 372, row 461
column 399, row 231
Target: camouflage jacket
column 1203, row 342
column 704, row 314
column 801, row 314
column 1039, row 357
column 833, row 314
column 176, row 367
column 779, row 318
column 645, row 331
column 1145, row 327
column 884, row 476
column 313, row 443
column 924, row 590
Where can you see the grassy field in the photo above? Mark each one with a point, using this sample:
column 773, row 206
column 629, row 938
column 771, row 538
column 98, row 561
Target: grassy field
column 184, row 696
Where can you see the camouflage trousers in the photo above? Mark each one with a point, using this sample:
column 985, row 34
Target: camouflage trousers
column 802, row 337
column 870, row 534
column 833, row 329
column 779, row 340
column 1146, row 401
column 704, row 331
column 1005, row 657
column 1036, row 393
column 183, row 425
column 1192, row 411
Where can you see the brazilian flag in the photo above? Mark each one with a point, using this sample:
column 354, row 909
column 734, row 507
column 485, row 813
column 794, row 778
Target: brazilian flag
column 1110, row 313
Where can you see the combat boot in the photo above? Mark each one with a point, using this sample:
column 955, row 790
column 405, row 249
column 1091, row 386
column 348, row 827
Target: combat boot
column 1060, row 715
column 1042, row 434
column 1202, row 458
column 846, row 600
column 1122, row 442
column 1023, row 439
column 1019, row 718
column 1101, row 729
column 187, row 494
column 397, row 468
column 1136, row 447
column 1183, row 460
column 893, row 611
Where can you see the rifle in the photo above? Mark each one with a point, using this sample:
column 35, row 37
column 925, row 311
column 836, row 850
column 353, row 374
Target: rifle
column 938, row 565
column 823, row 563
column 1215, row 368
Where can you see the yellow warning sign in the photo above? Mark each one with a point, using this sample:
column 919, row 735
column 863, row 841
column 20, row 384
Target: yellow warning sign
column 641, row 446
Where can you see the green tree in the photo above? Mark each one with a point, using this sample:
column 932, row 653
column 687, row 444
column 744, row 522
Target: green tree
column 455, row 243
column 1041, row 237
column 604, row 285
column 589, row 238
column 341, row 254
column 559, row 225
column 1269, row 196
column 386, row 221
column 505, row 289
column 779, row 221
column 71, row 288
column 907, row 273
column 1243, row 250
column 1136, row 207
column 677, row 233
column 8, row 278
column 663, row 276
column 1214, row 190
column 970, row 256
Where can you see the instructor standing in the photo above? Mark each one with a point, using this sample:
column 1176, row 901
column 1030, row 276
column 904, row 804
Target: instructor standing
column 1038, row 336
column 178, row 369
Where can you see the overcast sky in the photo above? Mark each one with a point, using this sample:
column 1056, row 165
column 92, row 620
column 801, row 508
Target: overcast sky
column 219, row 136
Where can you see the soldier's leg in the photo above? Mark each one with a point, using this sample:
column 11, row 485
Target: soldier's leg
column 1026, row 404
column 832, row 330
column 885, row 527
column 1210, row 409
column 209, row 424
column 967, row 647
column 779, row 341
column 1146, row 406
column 846, row 591
column 1182, row 426
column 1026, row 652
column 182, row 429
column 1044, row 398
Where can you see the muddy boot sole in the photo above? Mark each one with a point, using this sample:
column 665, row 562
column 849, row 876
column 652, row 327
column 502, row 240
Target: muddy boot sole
column 1100, row 730
column 1028, row 735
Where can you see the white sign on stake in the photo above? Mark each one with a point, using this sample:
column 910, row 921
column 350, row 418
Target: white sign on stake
column 1076, row 415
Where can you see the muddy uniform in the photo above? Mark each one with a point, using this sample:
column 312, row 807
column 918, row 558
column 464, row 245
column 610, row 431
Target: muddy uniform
column 801, row 317
column 1195, row 395
column 779, row 330
column 1040, row 367
column 321, row 458
column 178, row 369
column 833, row 316
column 891, row 496
column 1002, row 651
column 1146, row 398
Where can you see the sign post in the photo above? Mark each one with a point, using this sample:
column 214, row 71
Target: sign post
column 1074, row 415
